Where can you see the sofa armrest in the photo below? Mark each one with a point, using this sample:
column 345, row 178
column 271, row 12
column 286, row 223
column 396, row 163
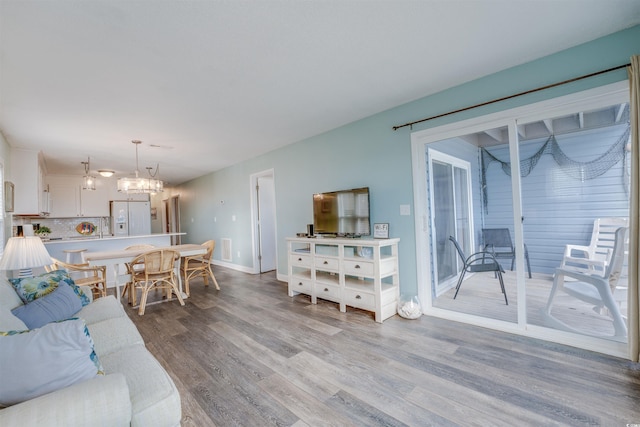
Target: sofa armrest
column 103, row 400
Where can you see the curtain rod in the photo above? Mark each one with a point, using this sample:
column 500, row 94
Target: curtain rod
column 493, row 101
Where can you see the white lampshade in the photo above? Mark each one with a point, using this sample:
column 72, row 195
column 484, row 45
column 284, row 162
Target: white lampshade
column 24, row 253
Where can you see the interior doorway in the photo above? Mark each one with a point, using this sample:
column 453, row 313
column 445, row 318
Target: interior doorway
column 264, row 221
column 171, row 208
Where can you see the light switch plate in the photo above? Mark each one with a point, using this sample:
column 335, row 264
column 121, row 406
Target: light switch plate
column 405, row 209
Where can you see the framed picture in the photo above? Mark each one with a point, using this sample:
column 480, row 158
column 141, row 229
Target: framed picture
column 8, row 196
column 381, row 231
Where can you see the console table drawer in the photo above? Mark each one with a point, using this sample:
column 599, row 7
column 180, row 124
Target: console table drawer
column 301, row 285
column 327, row 263
column 328, row 292
column 359, row 299
column 358, row 268
column 300, row 260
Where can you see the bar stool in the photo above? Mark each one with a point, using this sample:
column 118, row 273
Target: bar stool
column 76, row 257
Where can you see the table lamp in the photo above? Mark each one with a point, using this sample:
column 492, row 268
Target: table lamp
column 23, row 254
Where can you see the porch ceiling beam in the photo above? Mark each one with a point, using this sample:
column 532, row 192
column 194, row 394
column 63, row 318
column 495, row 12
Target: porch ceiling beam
column 495, row 134
column 522, row 131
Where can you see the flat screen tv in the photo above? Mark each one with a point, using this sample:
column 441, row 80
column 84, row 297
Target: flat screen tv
column 342, row 213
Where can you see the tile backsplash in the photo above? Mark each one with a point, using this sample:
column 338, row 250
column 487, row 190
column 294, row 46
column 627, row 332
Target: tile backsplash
column 66, row 227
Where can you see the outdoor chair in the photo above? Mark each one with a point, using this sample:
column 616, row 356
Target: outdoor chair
column 477, row 263
column 498, row 242
column 593, row 258
column 594, row 289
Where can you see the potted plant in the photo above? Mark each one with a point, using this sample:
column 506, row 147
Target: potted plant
column 43, row 231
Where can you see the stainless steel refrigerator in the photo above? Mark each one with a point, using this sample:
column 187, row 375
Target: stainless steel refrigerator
column 130, row 218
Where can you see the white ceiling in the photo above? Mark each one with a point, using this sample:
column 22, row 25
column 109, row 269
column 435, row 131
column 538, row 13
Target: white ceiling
column 207, row 84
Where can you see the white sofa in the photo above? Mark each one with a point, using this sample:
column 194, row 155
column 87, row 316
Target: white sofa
column 134, row 390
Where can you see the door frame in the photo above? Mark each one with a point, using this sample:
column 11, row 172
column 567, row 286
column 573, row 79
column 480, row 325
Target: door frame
column 596, row 97
column 255, row 218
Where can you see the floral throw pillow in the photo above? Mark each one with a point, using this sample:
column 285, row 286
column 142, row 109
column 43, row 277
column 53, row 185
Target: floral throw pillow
column 32, row 288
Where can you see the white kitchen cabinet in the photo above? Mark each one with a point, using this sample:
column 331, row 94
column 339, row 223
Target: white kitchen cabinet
column 68, row 199
column 27, row 177
column 351, row 272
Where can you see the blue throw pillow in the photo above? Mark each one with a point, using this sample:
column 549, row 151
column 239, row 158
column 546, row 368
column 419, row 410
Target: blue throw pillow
column 60, row 304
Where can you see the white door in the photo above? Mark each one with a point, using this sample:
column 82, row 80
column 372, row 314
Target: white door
column 266, row 223
column 263, row 220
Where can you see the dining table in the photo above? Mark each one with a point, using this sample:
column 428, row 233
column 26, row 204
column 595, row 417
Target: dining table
column 116, row 261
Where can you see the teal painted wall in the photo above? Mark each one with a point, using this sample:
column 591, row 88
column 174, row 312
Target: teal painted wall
column 369, row 153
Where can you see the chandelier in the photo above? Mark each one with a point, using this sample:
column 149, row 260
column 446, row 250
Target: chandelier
column 139, row 185
column 88, row 180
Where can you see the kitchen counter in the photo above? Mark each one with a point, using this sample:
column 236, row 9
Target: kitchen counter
column 56, row 247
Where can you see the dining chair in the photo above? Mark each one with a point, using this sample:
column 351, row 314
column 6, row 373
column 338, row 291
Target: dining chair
column 158, row 272
column 95, row 277
column 199, row 266
column 130, row 270
column 478, row 262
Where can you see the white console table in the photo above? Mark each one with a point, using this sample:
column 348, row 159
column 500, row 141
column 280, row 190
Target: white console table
column 352, row 272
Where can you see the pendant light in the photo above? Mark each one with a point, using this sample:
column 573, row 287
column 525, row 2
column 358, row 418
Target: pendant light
column 88, row 181
column 140, row 185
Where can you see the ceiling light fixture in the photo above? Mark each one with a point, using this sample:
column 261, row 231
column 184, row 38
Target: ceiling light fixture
column 88, row 181
column 106, row 173
column 139, row 185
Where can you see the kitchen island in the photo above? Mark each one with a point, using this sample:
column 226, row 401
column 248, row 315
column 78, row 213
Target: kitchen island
column 56, row 248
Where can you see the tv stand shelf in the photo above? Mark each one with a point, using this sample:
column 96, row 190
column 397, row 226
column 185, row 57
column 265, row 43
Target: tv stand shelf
column 359, row 273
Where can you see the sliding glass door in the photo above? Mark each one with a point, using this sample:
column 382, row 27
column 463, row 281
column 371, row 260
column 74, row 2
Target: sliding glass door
column 451, row 209
column 552, row 179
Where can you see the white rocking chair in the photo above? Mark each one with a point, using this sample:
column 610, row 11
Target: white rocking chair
column 595, row 289
column 594, row 258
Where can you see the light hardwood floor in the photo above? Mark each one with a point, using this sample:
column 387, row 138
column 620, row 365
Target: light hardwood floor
column 249, row 355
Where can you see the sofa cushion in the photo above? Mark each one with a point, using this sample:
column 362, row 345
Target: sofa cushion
column 60, row 304
column 101, row 401
column 9, row 300
column 155, row 400
column 114, row 334
column 8, row 296
column 101, row 309
column 70, row 358
column 31, row 288
column 9, row 322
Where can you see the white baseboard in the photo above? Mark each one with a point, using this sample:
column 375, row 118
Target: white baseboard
column 232, row 266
